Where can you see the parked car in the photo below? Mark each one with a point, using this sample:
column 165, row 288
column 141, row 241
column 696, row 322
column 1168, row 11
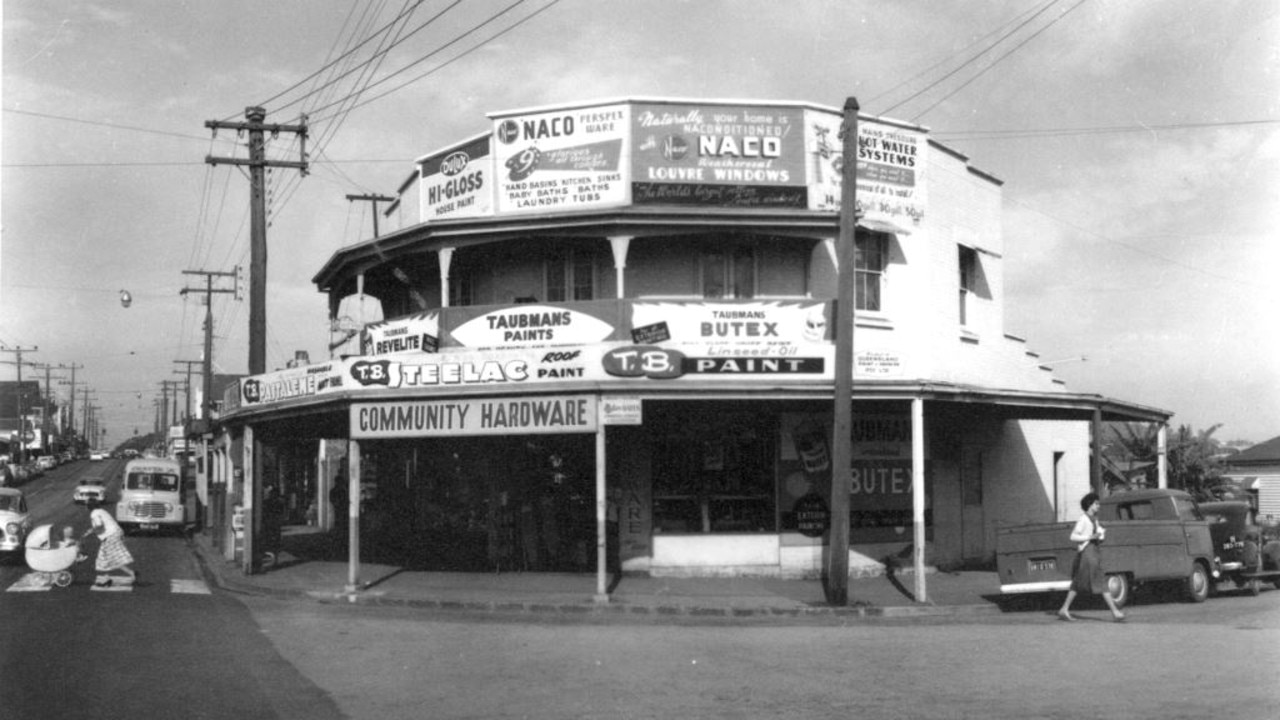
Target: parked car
column 1248, row 553
column 98, row 455
column 15, row 523
column 46, row 462
column 91, row 491
column 1156, row 535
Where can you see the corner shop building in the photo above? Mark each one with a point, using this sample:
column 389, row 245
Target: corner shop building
column 608, row 340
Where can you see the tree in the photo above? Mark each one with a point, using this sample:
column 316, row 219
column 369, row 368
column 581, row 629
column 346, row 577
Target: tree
column 1190, row 457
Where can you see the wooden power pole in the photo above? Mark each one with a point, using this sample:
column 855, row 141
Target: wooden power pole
column 206, row 402
column 375, row 199
column 842, row 412
column 258, row 162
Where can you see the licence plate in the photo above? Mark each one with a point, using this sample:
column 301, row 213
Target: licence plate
column 150, row 526
column 1043, row 564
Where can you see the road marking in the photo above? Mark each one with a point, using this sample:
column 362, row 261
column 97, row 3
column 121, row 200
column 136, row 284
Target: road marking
column 111, row 588
column 31, row 582
column 188, row 587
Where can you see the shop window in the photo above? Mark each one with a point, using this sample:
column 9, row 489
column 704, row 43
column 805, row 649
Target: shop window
column 571, row 276
column 720, row 483
column 729, row 273
column 869, row 264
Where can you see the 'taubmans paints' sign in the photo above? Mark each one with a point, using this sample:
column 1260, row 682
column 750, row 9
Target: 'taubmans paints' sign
column 531, row 326
column 507, row 416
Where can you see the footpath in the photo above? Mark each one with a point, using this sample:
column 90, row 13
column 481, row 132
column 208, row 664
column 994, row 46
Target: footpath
column 309, row 567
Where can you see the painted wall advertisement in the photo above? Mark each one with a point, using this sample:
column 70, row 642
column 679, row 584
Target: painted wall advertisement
column 880, row 491
column 419, row 333
column 764, row 327
column 292, row 383
column 891, row 167
column 718, row 155
column 531, row 326
column 457, row 182
column 567, row 159
column 880, row 502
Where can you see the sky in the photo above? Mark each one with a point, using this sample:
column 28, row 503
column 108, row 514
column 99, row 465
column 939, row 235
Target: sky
column 1138, row 143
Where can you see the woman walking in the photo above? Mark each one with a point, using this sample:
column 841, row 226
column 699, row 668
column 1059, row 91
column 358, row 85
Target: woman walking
column 112, row 554
column 1086, row 572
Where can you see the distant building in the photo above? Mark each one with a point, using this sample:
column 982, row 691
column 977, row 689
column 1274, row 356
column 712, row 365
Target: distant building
column 1257, row 470
column 629, row 307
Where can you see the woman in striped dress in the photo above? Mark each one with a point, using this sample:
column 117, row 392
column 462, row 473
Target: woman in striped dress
column 112, row 553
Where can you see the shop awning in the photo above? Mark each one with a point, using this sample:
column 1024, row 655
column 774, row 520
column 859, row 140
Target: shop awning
column 883, row 225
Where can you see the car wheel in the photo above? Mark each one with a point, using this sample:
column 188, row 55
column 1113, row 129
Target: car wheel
column 1120, row 589
column 1197, row 584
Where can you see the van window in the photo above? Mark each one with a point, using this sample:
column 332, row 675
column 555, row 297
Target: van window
column 159, row 482
column 1187, row 509
column 1134, row 511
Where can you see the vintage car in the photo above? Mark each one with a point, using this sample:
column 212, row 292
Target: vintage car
column 1247, row 553
column 91, row 491
column 15, row 523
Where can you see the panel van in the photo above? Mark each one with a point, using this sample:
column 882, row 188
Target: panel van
column 152, row 496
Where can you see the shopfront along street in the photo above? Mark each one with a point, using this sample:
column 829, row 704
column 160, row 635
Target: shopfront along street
column 196, row 639
column 812, row 359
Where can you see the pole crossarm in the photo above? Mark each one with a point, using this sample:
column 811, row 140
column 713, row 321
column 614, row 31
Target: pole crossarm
column 206, row 401
column 257, row 162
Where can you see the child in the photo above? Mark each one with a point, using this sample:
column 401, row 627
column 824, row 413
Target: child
column 69, row 540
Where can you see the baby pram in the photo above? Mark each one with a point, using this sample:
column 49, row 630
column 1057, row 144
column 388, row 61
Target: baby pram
column 51, row 562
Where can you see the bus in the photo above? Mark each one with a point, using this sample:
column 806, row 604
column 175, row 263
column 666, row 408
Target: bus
column 152, row 496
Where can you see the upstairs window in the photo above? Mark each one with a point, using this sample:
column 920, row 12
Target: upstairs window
column 868, row 263
column 571, row 276
column 460, row 289
column 729, row 273
column 968, row 280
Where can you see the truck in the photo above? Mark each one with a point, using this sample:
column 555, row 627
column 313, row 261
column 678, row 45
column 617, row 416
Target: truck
column 1154, row 535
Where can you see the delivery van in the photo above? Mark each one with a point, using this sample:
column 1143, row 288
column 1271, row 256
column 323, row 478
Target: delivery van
column 152, row 496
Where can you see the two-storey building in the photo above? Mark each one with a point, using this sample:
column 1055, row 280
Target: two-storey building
column 613, row 326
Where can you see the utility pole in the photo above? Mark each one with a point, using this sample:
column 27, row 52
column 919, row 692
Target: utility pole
column 22, row 428
column 71, row 407
column 206, row 401
column 257, row 162
column 164, row 388
column 842, row 411
column 44, row 420
column 188, row 363
column 85, row 419
column 375, row 199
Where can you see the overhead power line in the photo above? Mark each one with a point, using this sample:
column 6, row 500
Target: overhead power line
column 1099, row 130
column 973, row 59
column 998, row 60
column 114, row 126
column 450, row 61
